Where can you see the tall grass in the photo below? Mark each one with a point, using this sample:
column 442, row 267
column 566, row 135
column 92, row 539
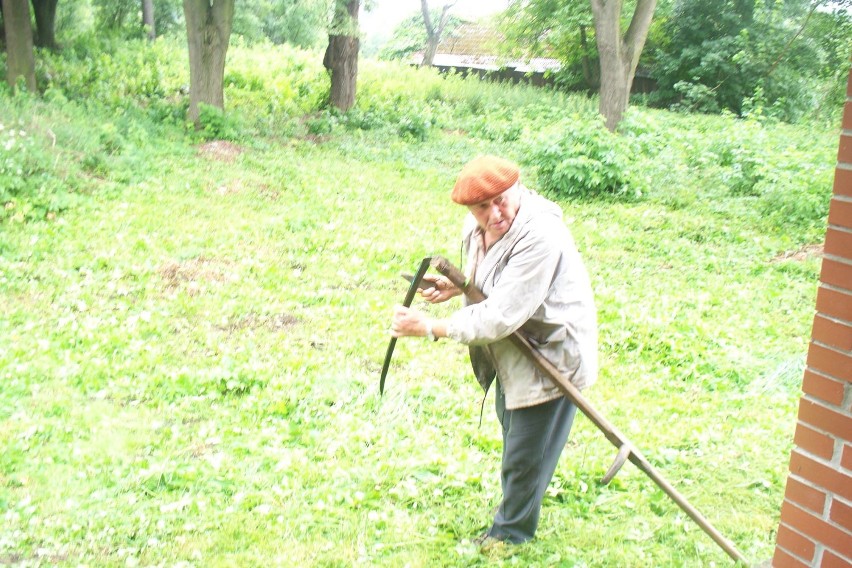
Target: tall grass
column 190, row 347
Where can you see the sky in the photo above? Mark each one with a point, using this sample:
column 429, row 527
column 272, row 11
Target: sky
column 386, row 14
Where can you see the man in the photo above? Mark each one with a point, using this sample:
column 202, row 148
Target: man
column 521, row 255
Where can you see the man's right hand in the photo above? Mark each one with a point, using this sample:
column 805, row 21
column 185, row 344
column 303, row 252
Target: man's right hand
column 442, row 290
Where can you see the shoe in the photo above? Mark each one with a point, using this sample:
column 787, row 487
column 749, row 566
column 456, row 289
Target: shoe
column 486, row 541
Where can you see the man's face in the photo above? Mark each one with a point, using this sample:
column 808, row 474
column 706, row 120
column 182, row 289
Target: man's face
column 495, row 215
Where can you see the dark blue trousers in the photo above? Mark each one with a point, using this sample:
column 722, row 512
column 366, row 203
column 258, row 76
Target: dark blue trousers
column 533, row 439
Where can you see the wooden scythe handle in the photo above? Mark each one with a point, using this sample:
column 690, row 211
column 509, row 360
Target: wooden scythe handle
column 626, row 448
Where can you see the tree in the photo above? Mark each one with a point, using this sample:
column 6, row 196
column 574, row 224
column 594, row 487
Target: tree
column 45, row 17
column 148, row 18
column 112, row 14
column 559, row 27
column 619, row 53
column 408, row 37
column 208, row 31
column 20, row 60
column 433, row 33
column 341, row 55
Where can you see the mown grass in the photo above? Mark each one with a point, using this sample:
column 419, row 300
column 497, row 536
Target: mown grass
column 190, row 351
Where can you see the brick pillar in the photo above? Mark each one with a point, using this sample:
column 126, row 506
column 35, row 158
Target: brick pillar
column 816, row 516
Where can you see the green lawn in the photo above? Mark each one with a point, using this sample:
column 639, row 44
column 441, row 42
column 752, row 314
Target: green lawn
column 190, row 356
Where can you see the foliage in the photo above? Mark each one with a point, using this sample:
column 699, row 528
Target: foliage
column 409, row 36
column 738, row 55
column 124, row 18
column 580, row 157
column 295, row 22
column 553, row 28
column 192, row 341
column 29, row 187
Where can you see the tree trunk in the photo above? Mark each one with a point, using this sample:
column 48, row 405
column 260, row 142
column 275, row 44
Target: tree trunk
column 589, row 76
column 619, row 55
column 433, row 36
column 20, row 60
column 341, row 55
column 45, row 17
column 431, row 49
column 208, row 31
column 148, row 18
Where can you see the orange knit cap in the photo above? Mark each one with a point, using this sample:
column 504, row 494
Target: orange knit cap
column 483, row 178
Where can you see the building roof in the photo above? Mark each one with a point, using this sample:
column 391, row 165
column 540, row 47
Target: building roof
column 475, row 46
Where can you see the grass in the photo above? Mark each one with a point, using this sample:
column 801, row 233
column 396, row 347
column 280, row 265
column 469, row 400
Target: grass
column 190, row 359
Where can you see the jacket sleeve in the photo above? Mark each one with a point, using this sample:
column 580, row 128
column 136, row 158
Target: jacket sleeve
column 520, row 289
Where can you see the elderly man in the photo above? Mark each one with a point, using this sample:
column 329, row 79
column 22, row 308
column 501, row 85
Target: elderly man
column 521, row 255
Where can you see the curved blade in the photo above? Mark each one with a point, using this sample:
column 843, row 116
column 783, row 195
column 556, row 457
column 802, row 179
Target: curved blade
column 409, row 297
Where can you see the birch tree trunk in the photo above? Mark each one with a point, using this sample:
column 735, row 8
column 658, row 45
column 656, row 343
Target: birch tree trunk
column 20, row 60
column 619, row 54
column 341, row 55
column 208, row 31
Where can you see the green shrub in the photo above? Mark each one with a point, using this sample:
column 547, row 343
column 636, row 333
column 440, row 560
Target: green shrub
column 322, row 124
column 215, row 123
column 582, row 158
column 416, row 124
column 29, row 186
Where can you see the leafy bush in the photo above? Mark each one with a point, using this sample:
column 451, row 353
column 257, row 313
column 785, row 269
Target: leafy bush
column 738, row 56
column 215, row 123
column 582, row 158
column 322, row 123
column 29, row 186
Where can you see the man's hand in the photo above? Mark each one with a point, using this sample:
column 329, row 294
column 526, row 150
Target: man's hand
column 442, row 290
column 408, row 322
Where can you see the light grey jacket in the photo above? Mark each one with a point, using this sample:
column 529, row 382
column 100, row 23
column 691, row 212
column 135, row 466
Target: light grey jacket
column 535, row 281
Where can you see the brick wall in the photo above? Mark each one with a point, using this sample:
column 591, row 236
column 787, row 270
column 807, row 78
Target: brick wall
column 816, row 516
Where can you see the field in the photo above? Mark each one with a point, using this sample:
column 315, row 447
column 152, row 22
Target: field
column 192, row 326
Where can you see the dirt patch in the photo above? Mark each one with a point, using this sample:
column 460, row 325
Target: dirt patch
column 316, row 139
column 192, row 273
column 799, row 255
column 220, row 150
column 230, row 188
column 271, row 322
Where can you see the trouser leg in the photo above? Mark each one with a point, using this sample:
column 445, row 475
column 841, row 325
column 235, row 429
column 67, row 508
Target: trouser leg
column 533, row 439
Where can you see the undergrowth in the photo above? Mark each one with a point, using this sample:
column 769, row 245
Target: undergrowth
column 192, row 328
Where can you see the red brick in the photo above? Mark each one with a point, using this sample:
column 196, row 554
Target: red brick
column 849, row 84
column 831, row 560
column 836, row 273
column 823, row 388
column 820, row 475
column 814, row 527
column 844, row 154
column 814, row 442
column 842, row 181
column 830, row 362
column 832, row 420
column 840, row 213
column 846, row 458
column 785, row 560
column 847, row 116
column 841, row 513
column 805, row 495
column 790, row 540
column 838, row 243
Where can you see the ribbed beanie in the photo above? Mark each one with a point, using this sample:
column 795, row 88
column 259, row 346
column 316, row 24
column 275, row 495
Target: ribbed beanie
column 483, row 178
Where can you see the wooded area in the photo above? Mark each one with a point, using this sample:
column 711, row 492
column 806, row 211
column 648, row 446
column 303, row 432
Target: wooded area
column 785, row 59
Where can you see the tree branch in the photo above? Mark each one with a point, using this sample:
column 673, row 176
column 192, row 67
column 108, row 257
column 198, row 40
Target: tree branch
column 792, row 39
